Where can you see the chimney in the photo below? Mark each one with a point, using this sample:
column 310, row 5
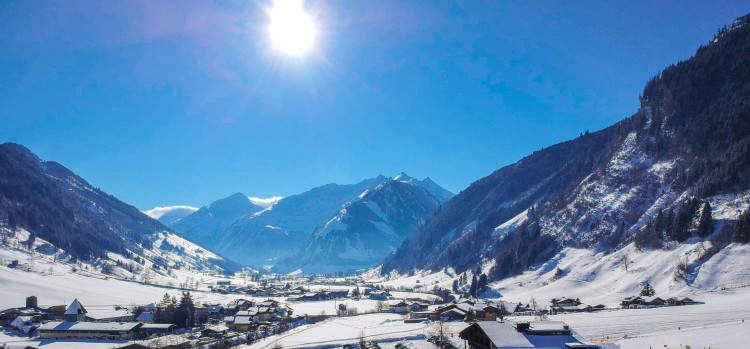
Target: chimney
column 31, row 302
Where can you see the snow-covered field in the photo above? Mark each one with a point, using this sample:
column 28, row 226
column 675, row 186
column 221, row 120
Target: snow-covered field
column 386, row 329
column 54, row 283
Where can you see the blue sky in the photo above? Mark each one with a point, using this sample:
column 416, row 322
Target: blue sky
column 183, row 102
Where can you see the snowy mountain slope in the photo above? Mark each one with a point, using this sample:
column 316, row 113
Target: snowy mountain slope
column 366, row 231
column 78, row 222
column 207, row 223
column 57, row 280
column 428, row 184
column 170, row 214
column 601, row 277
column 279, row 230
column 265, row 202
column 648, row 179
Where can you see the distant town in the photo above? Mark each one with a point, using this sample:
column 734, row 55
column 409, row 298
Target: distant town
column 265, row 308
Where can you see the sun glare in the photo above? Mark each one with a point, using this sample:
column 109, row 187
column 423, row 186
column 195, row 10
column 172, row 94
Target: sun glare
column 292, row 30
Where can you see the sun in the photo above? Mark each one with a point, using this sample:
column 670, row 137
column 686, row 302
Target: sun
column 292, row 30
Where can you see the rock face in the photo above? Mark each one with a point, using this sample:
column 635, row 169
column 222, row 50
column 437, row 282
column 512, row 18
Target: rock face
column 648, row 179
column 368, row 230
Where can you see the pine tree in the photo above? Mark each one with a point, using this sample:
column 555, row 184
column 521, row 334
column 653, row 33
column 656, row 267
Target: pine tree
column 647, row 290
column 482, row 282
column 706, row 221
column 12, row 222
column 742, row 229
column 30, row 241
column 473, row 286
column 185, row 311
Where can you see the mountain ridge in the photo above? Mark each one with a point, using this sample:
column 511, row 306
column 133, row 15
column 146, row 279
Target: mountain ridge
column 367, row 230
column 688, row 142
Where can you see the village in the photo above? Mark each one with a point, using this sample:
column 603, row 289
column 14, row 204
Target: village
column 266, row 309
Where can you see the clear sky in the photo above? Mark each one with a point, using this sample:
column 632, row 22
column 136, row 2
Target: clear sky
column 184, row 102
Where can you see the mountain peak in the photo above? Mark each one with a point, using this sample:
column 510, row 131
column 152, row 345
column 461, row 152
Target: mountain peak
column 403, row 177
column 265, row 202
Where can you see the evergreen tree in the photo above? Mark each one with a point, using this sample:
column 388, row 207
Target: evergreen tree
column 30, row 241
column 12, row 222
column 473, row 286
column 742, row 229
column 183, row 316
column 482, row 282
column 647, row 290
column 706, row 222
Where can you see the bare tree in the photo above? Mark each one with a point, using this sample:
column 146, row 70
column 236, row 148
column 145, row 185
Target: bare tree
column 625, row 262
column 380, row 306
column 439, row 331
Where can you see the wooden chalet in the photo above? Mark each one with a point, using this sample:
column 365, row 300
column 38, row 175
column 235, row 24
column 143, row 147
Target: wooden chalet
column 503, row 335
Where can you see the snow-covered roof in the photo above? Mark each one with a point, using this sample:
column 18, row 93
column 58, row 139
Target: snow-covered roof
column 158, row 326
column 75, row 308
column 504, row 335
column 243, row 320
column 548, row 326
column 89, row 326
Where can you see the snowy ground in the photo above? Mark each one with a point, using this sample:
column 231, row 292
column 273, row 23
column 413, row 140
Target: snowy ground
column 723, row 283
column 387, row 329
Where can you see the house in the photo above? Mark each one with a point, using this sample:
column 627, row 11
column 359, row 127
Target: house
column 416, row 306
column 109, row 330
column 75, row 312
column 502, row 335
column 631, row 302
column 237, row 305
column 678, row 301
column 242, row 323
column 214, row 331
column 637, row 302
column 564, row 301
column 652, row 302
column 398, row 307
column 485, row 312
column 338, row 294
column 379, row 295
column 215, row 311
column 26, row 324
column 149, row 329
column 32, row 309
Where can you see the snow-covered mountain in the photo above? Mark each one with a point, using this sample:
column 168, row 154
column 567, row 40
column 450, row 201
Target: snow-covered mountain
column 278, row 231
column 664, row 177
column 207, row 224
column 47, row 208
column 369, row 229
column 170, row 214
